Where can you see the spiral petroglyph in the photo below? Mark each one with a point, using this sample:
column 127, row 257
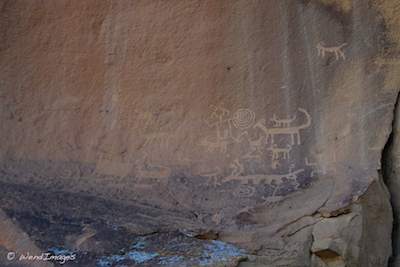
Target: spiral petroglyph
column 243, row 118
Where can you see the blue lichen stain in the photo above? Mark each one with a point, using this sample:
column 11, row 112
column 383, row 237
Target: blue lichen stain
column 172, row 261
column 217, row 252
column 136, row 256
column 141, row 244
column 141, row 257
column 175, row 252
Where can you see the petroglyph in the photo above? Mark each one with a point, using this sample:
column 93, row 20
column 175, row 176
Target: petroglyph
column 146, row 119
column 222, row 122
column 293, row 132
column 247, row 186
column 218, row 116
column 256, row 139
column 237, row 168
column 282, row 122
column 278, row 152
column 387, row 61
column 158, row 139
column 336, row 50
column 263, row 178
column 243, row 118
column 314, row 167
column 244, row 190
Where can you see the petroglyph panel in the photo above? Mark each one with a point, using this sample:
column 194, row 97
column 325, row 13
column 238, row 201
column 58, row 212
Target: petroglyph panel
column 260, row 143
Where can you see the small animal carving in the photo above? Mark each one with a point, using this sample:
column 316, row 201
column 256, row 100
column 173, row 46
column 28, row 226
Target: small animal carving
column 336, row 50
column 277, row 152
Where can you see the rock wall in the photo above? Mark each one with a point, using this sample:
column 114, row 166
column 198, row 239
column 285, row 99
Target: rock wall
column 258, row 123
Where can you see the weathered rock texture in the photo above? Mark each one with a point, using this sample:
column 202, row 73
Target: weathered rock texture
column 258, row 123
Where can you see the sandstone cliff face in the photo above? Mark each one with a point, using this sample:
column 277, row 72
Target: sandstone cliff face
column 258, row 123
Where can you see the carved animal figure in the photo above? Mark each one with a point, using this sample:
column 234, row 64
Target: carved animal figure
column 261, row 178
column 337, row 50
column 293, row 131
column 282, row 122
column 280, row 151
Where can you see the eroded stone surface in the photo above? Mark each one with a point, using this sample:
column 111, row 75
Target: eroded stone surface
column 247, row 120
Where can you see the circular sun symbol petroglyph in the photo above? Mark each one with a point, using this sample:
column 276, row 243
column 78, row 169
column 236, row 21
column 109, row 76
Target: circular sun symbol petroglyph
column 243, row 118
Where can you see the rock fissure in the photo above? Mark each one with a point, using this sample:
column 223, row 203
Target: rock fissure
column 390, row 177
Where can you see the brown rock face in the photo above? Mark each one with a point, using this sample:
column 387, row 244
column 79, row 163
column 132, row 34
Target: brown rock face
column 259, row 123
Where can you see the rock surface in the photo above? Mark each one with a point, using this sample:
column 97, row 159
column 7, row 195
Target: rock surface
column 257, row 123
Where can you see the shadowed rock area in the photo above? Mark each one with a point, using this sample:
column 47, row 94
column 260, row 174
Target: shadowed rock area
column 199, row 133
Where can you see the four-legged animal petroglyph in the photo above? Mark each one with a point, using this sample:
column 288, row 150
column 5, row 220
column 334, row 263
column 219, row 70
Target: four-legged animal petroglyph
column 336, row 50
column 277, row 122
column 257, row 179
column 247, row 184
column 293, row 132
column 277, row 152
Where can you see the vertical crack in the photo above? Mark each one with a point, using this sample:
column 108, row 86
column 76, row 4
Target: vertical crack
column 390, row 164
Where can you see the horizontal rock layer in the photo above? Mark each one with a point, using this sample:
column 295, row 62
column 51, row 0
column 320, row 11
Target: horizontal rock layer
column 259, row 123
